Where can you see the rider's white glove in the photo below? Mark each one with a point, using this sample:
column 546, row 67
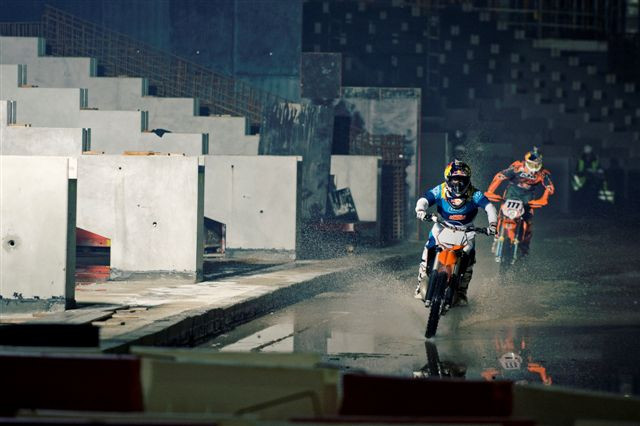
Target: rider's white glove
column 421, row 214
column 493, row 228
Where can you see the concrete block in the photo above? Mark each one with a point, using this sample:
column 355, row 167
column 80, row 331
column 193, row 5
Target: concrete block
column 360, row 173
column 114, row 93
column 258, row 199
column 243, row 145
column 227, row 135
column 174, row 143
column 188, row 107
column 111, row 131
column 150, row 207
column 231, row 387
column 57, row 72
column 557, row 406
column 14, row 50
column 38, row 215
column 23, row 140
column 43, row 141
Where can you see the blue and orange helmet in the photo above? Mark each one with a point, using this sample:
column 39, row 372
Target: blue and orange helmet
column 457, row 177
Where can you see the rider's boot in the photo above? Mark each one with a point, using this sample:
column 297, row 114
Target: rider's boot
column 494, row 245
column 422, row 274
column 463, row 286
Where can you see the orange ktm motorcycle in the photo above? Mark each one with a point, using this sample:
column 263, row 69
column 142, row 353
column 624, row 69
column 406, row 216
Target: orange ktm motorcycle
column 439, row 294
column 511, row 229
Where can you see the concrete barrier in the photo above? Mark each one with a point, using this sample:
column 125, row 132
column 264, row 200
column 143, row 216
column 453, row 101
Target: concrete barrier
column 226, row 134
column 257, row 197
column 14, row 50
column 38, row 215
column 112, row 132
column 23, row 140
column 554, row 406
column 175, row 143
column 360, row 173
column 58, row 72
column 151, row 207
column 264, row 391
column 116, row 131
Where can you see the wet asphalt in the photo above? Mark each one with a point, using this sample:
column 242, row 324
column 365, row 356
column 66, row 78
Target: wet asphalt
column 568, row 316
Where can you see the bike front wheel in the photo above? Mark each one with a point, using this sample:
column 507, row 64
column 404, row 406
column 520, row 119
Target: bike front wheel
column 439, row 283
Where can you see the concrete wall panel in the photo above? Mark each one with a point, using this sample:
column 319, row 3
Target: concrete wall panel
column 37, row 210
column 113, row 93
column 17, row 140
column 256, row 197
column 47, row 107
column 183, row 107
column 243, row 145
column 227, row 135
column 111, row 131
column 150, row 208
column 59, row 72
column 175, row 143
column 22, row 140
column 361, row 174
column 17, row 49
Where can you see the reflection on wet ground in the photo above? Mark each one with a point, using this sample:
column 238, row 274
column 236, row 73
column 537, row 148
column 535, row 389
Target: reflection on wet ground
column 568, row 318
column 381, row 332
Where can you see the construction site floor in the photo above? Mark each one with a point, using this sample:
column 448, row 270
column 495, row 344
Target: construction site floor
column 167, row 311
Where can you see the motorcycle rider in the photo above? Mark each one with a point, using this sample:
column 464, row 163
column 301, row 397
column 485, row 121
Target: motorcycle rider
column 457, row 202
column 524, row 178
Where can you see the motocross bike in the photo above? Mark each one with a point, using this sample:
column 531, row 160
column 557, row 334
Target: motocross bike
column 511, row 229
column 452, row 241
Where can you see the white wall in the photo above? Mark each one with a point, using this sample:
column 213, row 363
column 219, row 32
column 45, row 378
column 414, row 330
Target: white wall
column 22, row 140
column 149, row 206
column 174, row 143
column 37, row 212
column 15, row 140
column 226, row 134
column 16, row 49
column 256, row 197
column 361, row 174
column 112, row 92
column 58, row 72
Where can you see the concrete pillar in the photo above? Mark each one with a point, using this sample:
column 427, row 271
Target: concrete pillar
column 38, row 216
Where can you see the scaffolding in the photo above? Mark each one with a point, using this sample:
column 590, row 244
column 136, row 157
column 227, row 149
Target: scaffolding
column 169, row 75
column 393, row 183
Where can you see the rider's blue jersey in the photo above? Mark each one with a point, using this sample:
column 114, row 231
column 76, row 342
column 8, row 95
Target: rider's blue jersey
column 460, row 216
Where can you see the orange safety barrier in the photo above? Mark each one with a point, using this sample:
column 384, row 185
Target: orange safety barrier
column 86, row 238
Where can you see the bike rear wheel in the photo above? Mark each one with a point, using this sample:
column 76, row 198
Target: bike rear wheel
column 440, row 283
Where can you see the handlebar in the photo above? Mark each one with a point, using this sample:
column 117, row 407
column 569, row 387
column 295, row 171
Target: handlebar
column 469, row 228
column 497, row 198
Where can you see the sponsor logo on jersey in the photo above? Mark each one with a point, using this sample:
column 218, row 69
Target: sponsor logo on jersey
column 457, row 217
column 526, row 175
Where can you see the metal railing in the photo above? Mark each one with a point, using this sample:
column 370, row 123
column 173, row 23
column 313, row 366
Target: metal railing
column 121, row 55
column 21, row 29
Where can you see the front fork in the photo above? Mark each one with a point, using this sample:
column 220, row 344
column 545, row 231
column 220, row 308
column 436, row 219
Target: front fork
column 516, row 243
column 452, row 282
